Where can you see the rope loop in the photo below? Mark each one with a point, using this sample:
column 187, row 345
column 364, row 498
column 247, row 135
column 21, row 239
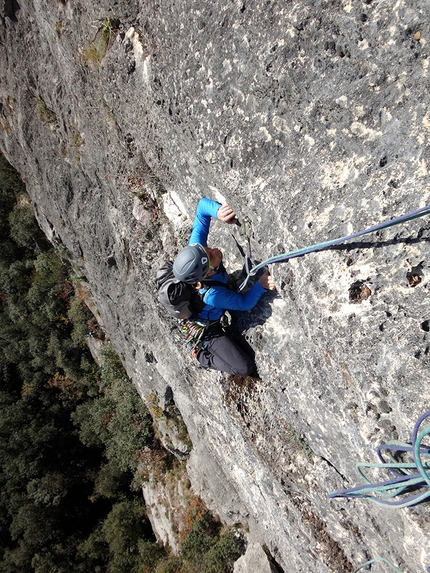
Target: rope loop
column 410, row 476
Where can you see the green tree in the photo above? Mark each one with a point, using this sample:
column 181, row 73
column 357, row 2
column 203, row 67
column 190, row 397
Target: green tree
column 125, row 525
column 117, row 418
column 23, row 227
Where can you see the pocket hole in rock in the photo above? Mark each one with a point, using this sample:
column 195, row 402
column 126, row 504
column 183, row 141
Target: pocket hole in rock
column 359, row 292
column 415, row 275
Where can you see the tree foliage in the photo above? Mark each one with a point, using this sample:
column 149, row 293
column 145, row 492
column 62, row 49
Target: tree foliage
column 69, row 432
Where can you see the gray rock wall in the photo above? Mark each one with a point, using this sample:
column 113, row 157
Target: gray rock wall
column 310, row 118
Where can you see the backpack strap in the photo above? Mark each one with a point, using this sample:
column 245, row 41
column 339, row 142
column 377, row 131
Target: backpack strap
column 210, row 283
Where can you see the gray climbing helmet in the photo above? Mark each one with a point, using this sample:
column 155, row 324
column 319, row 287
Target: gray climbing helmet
column 191, row 264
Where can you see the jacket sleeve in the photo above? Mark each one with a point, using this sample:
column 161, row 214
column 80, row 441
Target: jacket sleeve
column 221, row 297
column 206, row 209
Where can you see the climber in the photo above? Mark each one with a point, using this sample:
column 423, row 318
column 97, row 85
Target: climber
column 198, row 265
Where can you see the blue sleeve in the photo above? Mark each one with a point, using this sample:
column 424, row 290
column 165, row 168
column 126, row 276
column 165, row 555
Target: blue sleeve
column 221, row 297
column 206, row 209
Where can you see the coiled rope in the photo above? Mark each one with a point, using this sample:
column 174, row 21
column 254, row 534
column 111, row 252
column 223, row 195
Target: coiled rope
column 410, row 476
column 320, row 246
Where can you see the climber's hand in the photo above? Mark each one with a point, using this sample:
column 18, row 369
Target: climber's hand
column 266, row 281
column 227, row 215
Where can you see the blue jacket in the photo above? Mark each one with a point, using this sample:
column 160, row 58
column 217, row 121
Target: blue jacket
column 218, row 298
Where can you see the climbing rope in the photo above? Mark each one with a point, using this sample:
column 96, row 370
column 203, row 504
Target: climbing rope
column 378, row 559
column 320, row 246
column 410, row 476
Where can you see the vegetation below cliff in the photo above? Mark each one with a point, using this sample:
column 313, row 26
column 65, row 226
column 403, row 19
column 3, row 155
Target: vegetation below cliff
column 68, row 458
column 74, row 436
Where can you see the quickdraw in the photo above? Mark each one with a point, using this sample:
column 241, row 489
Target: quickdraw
column 193, row 333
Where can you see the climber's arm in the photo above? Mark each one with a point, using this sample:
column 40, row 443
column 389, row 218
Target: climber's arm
column 221, row 297
column 206, row 210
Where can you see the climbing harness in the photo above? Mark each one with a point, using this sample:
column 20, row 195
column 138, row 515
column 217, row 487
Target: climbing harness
column 320, row 246
column 410, row 476
column 196, row 332
column 378, row 559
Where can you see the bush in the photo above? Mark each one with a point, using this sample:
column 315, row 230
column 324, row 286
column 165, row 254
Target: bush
column 23, row 227
column 64, row 506
column 150, row 555
column 201, row 538
column 117, row 418
column 79, row 315
column 122, row 529
column 208, row 548
column 225, row 552
column 170, row 565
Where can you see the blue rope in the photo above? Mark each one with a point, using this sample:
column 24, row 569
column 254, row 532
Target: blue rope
column 320, row 246
column 410, row 476
column 378, row 559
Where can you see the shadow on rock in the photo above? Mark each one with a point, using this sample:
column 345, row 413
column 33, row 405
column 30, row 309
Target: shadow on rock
column 378, row 244
column 241, row 321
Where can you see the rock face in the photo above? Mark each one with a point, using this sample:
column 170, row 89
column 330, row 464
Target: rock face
column 253, row 560
column 311, row 118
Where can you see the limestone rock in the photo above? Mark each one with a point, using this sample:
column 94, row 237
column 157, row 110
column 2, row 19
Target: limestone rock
column 254, row 560
column 312, row 119
column 159, row 503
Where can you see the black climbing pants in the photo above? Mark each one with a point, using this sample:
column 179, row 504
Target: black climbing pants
column 219, row 352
